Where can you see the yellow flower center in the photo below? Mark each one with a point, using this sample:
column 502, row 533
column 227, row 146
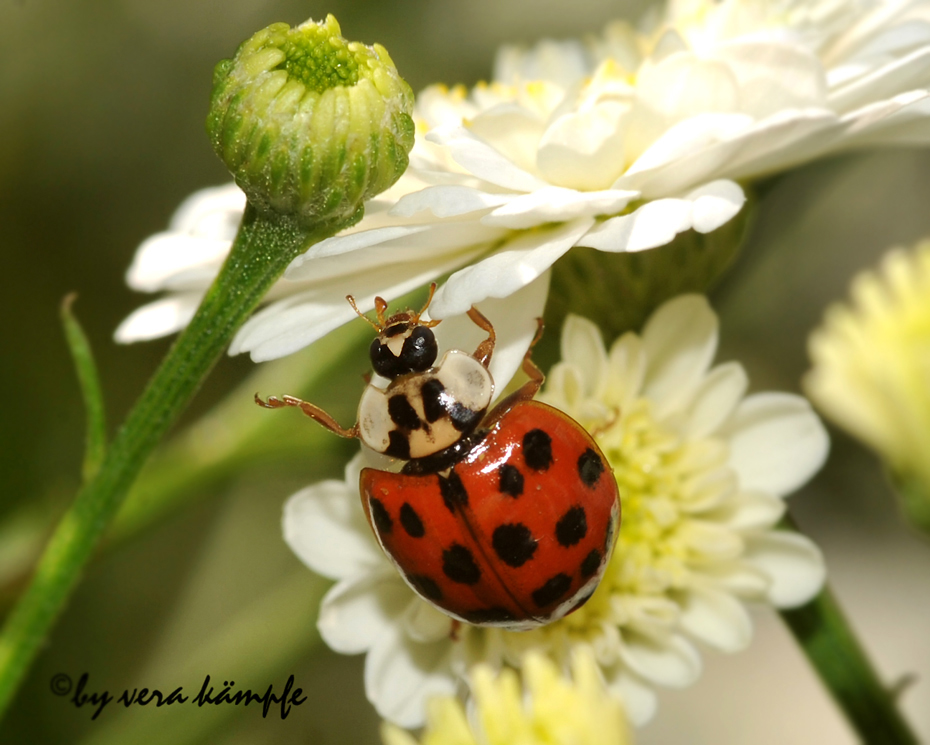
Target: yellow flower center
column 659, row 475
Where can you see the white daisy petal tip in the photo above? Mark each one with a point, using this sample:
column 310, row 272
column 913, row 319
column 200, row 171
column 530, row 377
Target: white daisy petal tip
column 793, row 563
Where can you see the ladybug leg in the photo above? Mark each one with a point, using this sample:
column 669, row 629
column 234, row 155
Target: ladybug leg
column 314, row 412
column 454, row 629
column 486, row 348
column 536, row 378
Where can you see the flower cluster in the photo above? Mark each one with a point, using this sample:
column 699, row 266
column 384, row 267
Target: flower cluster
column 617, row 143
column 702, row 471
column 554, row 711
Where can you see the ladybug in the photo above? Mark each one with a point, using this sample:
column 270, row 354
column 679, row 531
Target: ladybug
column 504, row 518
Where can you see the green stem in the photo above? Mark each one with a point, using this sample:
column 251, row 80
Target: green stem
column 260, row 254
column 832, row 648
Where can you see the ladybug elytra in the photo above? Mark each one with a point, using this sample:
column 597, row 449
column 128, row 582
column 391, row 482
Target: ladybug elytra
column 504, row 518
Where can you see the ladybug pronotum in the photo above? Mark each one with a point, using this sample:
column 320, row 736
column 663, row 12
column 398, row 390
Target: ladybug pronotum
column 504, row 518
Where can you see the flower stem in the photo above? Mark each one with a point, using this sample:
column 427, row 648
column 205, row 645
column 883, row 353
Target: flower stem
column 833, row 649
column 262, row 250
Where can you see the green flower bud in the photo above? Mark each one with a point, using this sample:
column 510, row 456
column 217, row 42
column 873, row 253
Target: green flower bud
column 309, row 124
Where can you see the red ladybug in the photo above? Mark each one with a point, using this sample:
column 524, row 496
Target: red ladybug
column 503, row 518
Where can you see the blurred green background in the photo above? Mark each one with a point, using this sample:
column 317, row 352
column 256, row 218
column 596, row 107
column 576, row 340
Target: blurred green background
column 101, row 114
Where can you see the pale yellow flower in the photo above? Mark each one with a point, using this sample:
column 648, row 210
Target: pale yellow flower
column 871, row 358
column 554, row 710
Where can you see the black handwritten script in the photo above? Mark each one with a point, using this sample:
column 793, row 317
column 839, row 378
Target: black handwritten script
column 208, row 695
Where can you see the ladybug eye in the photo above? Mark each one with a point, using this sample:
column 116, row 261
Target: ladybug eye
column 394, row 354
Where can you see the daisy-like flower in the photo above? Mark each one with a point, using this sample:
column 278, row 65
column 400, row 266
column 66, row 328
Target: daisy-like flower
column 871, row 370
column 702, row 471
column 618, row 143
column 555, row 710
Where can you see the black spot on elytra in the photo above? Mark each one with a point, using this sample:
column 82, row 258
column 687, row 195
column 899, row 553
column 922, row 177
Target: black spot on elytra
column 453, row 491
column 488, row 615
column 398, row 445
column 537, row 449
column 463, row 418
column 459, row 565
column 590, row 564
column 572, row 527
column 411, row 521
column 511, row 480
column 513, row 543
column 553, row 590
column 431, row 392
column 590, row 468
column 402, row 413
column 425, row 586
column 379, row 515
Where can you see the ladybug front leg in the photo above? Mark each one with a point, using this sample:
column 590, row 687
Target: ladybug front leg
column 530, row 388
column 485, row 349
column 312, row 411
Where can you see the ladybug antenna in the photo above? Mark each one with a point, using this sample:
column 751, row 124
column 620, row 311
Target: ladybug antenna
column 380, row 307
column 429, row 299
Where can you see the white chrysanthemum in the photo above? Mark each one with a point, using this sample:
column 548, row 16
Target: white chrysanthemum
column 617, row 144
column 554, row 710
column 871, row 370
column 702, row 472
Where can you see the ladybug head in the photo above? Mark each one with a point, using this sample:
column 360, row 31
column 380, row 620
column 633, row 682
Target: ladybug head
column 405, row 343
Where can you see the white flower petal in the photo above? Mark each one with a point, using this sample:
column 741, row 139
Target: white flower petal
column 583, row 344
column 639, row 700
column 448, row 201
column 357, row 612
column 776, row 442
column 755, row 511
column 628, row 369
column 511, row 129
column 656, row 223
column 400, row 675
column 738, row 577
column 679, row 340
column 560, row 61
column 692, row 135
column 555, row 204
column 794, row 564
column 523, row 260
column 176, row 261
column 716, row 618
column 515, row 322
column 424, row 624
column 482, row 160
column 326, row 527
column 774, row 76
column 299, row 320
column 897, row 76
column 215, row 211
column 584, row 149
column 154, row 320
column 715, row 399
column 671, row 661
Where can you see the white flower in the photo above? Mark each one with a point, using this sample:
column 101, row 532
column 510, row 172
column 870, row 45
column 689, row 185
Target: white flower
column 702, row 470
column 871, row 360
column 553, row 710
column 618, row 144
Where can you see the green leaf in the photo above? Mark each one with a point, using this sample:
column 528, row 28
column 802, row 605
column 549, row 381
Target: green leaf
column 96, row 441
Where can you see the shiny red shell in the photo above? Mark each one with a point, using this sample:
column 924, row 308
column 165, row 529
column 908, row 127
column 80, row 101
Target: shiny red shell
column 516, row 534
